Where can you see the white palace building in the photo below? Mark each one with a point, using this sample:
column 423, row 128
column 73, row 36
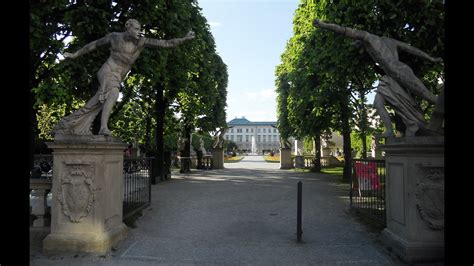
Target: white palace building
column 264, row 135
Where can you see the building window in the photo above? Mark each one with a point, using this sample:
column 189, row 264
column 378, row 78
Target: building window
column 231, row 130
column 251, row 130
column 232, row 137
column 239, row 138
column 246, row 130
column 258, row 130
column 239, row 130
column 264, row 130
column 247, row 137
column 258, row 138
column 264, row 138
column 274, row 130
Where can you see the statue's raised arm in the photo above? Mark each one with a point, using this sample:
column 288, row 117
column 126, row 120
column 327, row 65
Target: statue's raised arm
column 417, row 52
column 88, row 47
column 157, row 43
column 345, row 31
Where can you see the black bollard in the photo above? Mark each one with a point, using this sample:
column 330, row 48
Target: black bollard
column 299, row 232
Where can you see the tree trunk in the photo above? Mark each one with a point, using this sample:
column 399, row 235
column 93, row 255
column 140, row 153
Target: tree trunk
column 363, row 138
column 317, row 154
column 160, row 115
column 148, row 136
column 346, row 135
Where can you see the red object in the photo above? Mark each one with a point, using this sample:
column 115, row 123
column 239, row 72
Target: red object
column 367, row 176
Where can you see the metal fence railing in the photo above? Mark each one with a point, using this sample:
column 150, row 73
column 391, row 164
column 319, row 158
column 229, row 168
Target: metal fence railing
column 137, row 185
column 367, row 194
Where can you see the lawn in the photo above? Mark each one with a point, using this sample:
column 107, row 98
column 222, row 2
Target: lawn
column 272, row 159
column 333, row 170
column 233, row 159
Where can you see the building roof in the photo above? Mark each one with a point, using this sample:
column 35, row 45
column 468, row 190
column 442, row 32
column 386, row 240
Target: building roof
column 245, row 122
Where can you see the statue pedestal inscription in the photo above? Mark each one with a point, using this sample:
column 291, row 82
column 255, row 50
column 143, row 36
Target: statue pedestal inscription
column 415, row 198
column 87, row 194
column 285, row 158
column 218, row 158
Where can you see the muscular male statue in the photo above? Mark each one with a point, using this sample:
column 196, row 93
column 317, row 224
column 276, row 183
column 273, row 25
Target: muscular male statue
column 125, row 47
column 399, row 76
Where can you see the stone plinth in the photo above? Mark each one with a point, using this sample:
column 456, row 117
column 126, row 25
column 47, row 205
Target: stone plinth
column 325, row 152
column 299, row 161
column 218, row 159
column 86, row 212
column 415, row 198
column 285, row 158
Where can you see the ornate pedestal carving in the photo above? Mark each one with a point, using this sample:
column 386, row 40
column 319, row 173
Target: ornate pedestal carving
column 285, row 159
column 415, row 198
column 86, row 213
column 218, row 158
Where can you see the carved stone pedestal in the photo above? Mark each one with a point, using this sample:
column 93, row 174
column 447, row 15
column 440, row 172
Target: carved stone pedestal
column 415, row 198
column 285, row 159
column 86, row 213
column 218, row 159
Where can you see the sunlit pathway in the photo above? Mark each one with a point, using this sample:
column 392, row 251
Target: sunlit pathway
column 244, row 214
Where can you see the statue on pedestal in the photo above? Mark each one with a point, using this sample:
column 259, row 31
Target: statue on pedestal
column 125, row 47
column 398, row 83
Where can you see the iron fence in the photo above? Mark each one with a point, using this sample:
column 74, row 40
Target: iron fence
column 367, row 194
column 137, row 185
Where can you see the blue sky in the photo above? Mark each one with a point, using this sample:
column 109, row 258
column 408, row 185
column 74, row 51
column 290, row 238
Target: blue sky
column 250, row 36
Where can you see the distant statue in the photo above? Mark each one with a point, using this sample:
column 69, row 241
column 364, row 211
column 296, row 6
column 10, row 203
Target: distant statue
column 219, row 139
column 201, row 147
column 384, row 51
column 125, row 47
column 181, row 143
column 285, row 143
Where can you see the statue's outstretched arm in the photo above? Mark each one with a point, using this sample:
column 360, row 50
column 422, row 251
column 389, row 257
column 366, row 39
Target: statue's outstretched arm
column 415, row 51
column 156, row 43
column 89, row 47
column 345, row 31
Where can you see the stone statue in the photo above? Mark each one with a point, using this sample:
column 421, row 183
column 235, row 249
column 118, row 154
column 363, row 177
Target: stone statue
column 285, row 143
column 181, row 143
column 219, row 139
column 125, row 47
column 201, row 147
column 399, row 77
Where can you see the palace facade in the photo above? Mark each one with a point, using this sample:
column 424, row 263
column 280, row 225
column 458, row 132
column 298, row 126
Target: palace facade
column 241, row 131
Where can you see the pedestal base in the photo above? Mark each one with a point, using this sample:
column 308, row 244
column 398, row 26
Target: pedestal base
column 84, row 243
column 285, row 159
column 299, row 161
column 413, row 251
column 415, row 198
column 218, row 159
column 87, row 203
